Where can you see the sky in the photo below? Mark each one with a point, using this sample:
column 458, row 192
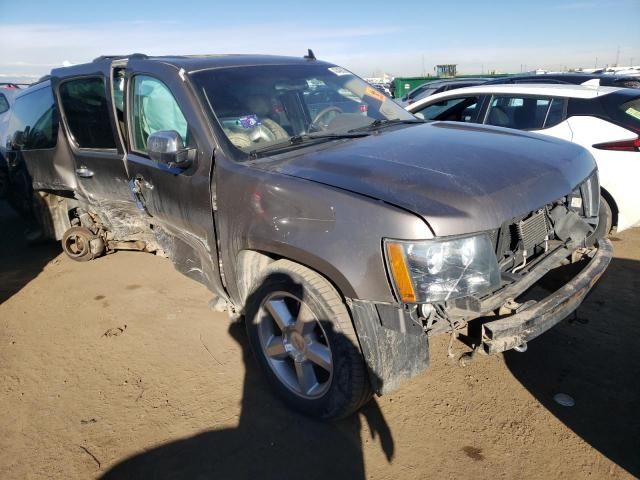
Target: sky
column 401, row 37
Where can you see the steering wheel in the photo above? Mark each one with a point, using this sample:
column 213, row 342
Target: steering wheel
column 321, row 114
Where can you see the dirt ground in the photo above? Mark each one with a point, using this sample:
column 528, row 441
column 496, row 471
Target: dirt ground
column 117, row 368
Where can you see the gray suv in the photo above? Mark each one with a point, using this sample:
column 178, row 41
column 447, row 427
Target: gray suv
column 344, row 230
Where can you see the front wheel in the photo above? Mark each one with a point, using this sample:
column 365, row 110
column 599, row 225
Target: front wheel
column 302, row 336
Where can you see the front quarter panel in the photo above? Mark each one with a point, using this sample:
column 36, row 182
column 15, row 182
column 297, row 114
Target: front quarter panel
column 333, row 231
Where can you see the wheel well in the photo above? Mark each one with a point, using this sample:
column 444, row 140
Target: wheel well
column 250, row 263
column 51, row 212
column 612, row 203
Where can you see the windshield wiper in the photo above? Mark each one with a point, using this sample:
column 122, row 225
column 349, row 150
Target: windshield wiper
column 304, row 139
column 378, row 124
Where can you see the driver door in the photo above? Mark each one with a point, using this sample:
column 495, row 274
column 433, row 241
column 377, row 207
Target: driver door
column 176, row 200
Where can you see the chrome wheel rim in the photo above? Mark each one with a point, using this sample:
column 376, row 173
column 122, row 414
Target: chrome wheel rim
column 295, row 345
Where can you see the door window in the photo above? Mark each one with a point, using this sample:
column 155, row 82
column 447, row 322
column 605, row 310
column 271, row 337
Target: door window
column 154, row 109
column 522, row 113
column 85, row 108
column 35, row 119
column 461, row 109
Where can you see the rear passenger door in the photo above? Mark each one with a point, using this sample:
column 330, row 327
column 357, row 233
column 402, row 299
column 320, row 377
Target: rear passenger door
column 33, row 157
column 85, row 104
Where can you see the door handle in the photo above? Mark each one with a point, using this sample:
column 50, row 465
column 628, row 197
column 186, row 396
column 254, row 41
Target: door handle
column 84, row 172
column 139, row 183
column 146, row 184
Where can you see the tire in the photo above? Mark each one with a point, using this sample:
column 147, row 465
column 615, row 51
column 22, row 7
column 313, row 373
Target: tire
column 81, row 245
column 605, row 219
column 301, row 334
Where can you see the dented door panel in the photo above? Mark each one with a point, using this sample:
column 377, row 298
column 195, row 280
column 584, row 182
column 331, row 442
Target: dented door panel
column 177, row 201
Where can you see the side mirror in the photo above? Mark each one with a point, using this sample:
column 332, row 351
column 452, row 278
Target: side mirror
column 420, row 115
column 166, row 147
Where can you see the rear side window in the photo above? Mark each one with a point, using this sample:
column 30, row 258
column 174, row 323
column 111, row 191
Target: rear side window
column 84, row 104
column 621, row 108
column 4, row 104
column 522, row 113
column 34, row 120
column 631, row 111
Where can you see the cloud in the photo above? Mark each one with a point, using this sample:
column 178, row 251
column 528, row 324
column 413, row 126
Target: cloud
column 46, row 45
column 33, row 49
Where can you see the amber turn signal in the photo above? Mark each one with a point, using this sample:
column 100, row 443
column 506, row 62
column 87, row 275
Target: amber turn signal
column 400, row 272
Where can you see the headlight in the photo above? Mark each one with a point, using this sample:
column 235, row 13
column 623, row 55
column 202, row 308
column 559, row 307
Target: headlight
column 438, row 270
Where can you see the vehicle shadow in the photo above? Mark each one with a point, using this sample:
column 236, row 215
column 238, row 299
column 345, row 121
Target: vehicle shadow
column 269, row 442
column 597, row 364
column 20, row 260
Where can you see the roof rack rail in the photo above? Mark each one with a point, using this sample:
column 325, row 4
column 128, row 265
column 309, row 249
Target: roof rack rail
column 118, row 57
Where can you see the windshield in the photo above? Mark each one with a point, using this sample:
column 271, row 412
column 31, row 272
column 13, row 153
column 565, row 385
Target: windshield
column 266, row 105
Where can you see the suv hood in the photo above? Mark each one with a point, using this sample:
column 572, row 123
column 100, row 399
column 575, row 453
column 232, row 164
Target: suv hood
column 459, row 178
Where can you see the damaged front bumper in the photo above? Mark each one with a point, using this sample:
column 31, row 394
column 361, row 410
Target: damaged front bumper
column 396, row 347
column 538, row 317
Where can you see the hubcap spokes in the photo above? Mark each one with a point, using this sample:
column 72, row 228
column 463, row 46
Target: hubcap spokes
column 295, row 345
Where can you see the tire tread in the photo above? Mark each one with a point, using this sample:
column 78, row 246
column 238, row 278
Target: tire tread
column 321, row 287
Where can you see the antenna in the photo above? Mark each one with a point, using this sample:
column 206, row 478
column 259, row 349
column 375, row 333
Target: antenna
column 309, row 55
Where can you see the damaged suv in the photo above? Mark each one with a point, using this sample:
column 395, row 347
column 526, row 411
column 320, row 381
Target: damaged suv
column 345, row 230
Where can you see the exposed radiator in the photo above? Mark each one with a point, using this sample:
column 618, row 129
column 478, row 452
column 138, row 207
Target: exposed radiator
column 533, row 231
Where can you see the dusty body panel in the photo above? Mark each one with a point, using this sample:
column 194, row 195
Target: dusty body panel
column 440, row 171
column 332, row 231
column 392, row 354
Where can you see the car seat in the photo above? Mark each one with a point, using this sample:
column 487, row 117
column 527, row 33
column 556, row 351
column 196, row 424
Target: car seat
column 498, row 117
column 524, row 117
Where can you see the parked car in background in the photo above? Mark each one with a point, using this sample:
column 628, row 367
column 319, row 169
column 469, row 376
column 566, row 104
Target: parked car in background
column 438, row 86
column 604, row 120
column 8, row 92
column 342, row 228
column 574, row 78
column 7, row 96
column 381, row 87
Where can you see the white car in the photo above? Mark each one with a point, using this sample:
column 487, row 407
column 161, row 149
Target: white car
column 604, row 120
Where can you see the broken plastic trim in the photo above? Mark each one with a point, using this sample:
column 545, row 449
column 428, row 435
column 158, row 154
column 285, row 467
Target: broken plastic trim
column 527, row 324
